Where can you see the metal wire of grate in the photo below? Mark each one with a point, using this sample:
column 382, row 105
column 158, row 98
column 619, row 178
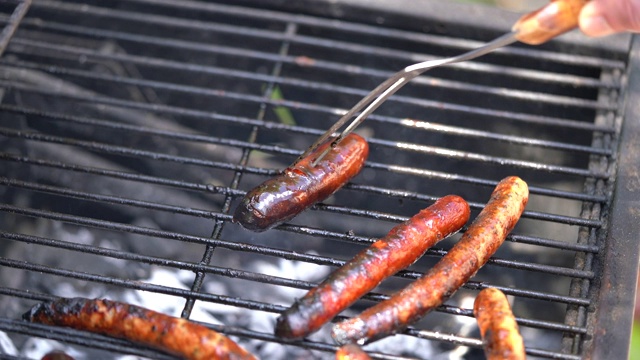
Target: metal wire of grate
column 130, row 129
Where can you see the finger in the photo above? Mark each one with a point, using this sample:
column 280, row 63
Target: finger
column 606, row 17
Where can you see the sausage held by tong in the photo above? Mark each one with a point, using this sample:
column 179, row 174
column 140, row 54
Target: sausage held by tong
column 301, row 185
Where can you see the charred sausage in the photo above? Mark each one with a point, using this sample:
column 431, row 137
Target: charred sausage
column 498, row 327
column 173, row 335
column 281, row 198
column 483, row 237
column 351, row 352
column 56, row 355
column 401, row 247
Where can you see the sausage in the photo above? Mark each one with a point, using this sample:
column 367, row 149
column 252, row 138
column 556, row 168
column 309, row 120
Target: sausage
column 401, row 247
column 281, row 198
column 351, row 352
column 56, row 355
column 483, row 237
column 498, row 327
column 173, row 335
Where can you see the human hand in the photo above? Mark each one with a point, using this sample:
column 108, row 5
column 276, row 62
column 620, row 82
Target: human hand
column 606, row 17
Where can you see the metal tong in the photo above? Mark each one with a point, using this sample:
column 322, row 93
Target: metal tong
column 553, row 19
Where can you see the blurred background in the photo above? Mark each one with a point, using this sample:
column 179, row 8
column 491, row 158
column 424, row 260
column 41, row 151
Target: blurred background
column 516, row 5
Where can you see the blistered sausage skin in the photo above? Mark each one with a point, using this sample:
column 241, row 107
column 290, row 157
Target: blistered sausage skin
column 173, row 335
column 401, row 247
column 351, row 352
column 498, row 328
column 281, row 198
column 483, row 237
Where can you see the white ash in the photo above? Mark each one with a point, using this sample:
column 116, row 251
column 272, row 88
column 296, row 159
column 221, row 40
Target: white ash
column 6, row 345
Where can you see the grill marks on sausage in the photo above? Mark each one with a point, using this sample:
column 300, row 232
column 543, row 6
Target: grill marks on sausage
column 498, row 327
column 401, row 247
column 483, row 237
column 281, row 198
column 173, row 335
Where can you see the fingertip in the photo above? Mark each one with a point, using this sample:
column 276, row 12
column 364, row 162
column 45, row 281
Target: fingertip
column 593, row 22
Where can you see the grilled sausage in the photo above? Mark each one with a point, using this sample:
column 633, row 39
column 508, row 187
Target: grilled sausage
column 401, row 247
column 281, row 198
column 351, row 352
column 477, row 244
column 56, row 355
column 166, row 333
column 498, row 327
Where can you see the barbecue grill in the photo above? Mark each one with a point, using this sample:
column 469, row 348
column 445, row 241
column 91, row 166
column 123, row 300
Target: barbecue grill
column 132, row 128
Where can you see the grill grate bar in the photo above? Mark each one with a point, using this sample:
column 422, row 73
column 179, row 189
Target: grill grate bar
column 562, row 219
column 370, row 214
column 289, row 255
column 137, row 285
column 542, row 120
column 432, row 150
column 429, row 104
column 248, row 275
column 375, row 31
column 150, row 19
column 438, row 128
column 422, row 125
column 224, row 216
column 429, row 335
column 168, row 64
column 226, row 191
column 317, row 64
column 534, row 119
column 475, row 181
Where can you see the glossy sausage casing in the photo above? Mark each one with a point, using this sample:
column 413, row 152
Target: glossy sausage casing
column 176, row 336
column 400, row 248
column 498, row 327
column 281, row 198
column 481, row 240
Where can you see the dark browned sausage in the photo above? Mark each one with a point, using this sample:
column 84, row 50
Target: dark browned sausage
column 479, row 242
column 351, row 352
column 281, row 198
column 401, row 247
column 166, row 333
column 56, row 355
column 498, row 327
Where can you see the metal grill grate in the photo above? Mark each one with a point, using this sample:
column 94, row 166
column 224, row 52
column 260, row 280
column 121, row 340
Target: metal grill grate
column 130, row 129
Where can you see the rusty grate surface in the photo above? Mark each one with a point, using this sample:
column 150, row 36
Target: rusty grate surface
column 130, row 129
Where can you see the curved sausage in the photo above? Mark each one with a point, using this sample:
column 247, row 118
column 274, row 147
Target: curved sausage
column 483, row 237
column 498, row 327
column 401, row 247
column 56, row 355
column 281, row 198
column 351, row 352
column 173, row 335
